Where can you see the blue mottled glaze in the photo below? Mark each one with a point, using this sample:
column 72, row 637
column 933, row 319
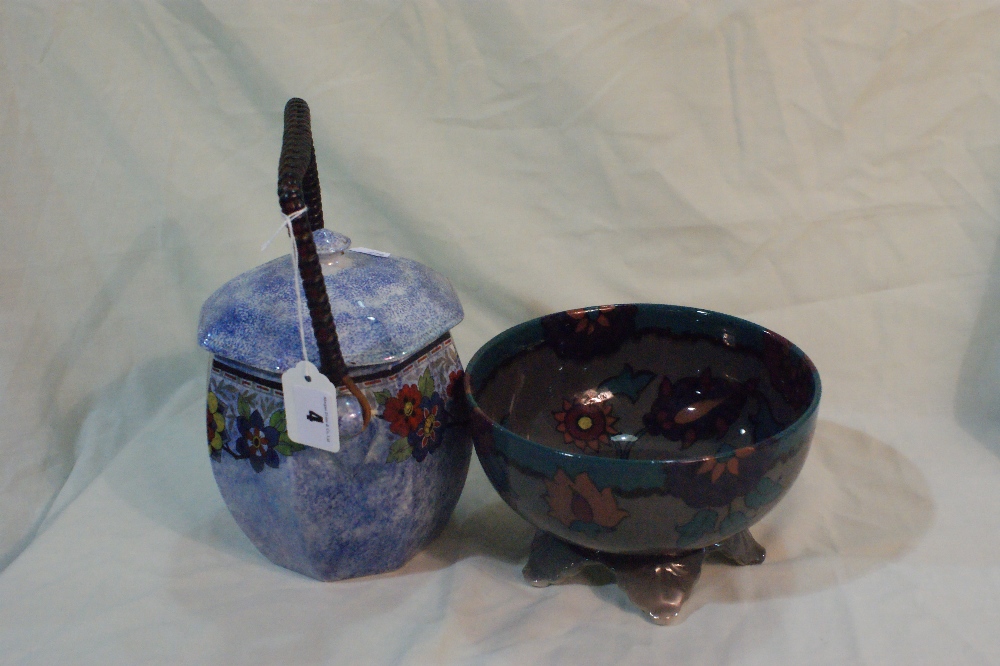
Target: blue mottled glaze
column 331, row 521
column 385, row 309
column 364, row 510
column 370, row 507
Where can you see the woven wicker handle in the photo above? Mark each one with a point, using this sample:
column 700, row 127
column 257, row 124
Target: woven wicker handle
column 298, row 188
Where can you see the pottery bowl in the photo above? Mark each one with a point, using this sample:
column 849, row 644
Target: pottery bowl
column 640, row 429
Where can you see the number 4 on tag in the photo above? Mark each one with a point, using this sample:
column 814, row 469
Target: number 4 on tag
column 310, row 407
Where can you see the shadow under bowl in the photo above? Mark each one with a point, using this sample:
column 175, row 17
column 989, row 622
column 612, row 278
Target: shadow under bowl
column 641, row 428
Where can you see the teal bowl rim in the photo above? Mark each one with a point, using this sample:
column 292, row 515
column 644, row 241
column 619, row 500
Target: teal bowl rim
column 526, row 335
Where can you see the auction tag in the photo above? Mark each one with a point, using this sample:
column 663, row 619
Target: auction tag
column 310, row 407
column 368, row 250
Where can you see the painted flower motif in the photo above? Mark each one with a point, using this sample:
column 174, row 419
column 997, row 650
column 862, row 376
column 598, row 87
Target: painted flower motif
column 727, row 460
column 257, row 441
column 586, row 422
column 580, row 506
column 718, row 480
column 403, row 411
column 427, row 435
column 693, row 408
column 455, row 395
column 216, row 425
column 456, row 379
column 583, row 334
column 429, row 430
column 589, row 320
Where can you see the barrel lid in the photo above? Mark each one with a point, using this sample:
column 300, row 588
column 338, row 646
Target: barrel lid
column 385, row 308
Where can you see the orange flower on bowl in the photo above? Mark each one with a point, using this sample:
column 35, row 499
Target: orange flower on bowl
column 587, row 321
column 580, row 506
column 726, row 461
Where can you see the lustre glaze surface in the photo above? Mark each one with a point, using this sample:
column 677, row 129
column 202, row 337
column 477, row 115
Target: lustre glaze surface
column 642, row 428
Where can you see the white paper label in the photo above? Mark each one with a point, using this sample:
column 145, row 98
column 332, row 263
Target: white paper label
column 368, row 250
column 310, row 407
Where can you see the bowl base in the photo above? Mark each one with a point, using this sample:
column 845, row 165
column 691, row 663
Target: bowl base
column 657, row 584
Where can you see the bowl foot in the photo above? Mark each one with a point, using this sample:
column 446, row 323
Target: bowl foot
column 656, row 584
column 740, row 549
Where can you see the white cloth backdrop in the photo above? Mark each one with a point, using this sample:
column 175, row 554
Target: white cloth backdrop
column 831, row 171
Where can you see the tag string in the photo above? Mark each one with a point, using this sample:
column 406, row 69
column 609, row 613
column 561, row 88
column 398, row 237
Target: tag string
column 286, row 223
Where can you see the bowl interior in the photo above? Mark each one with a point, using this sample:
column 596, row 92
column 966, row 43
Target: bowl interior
column 644, row 382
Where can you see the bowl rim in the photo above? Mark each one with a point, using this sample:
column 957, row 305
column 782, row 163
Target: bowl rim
column 519, row 330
